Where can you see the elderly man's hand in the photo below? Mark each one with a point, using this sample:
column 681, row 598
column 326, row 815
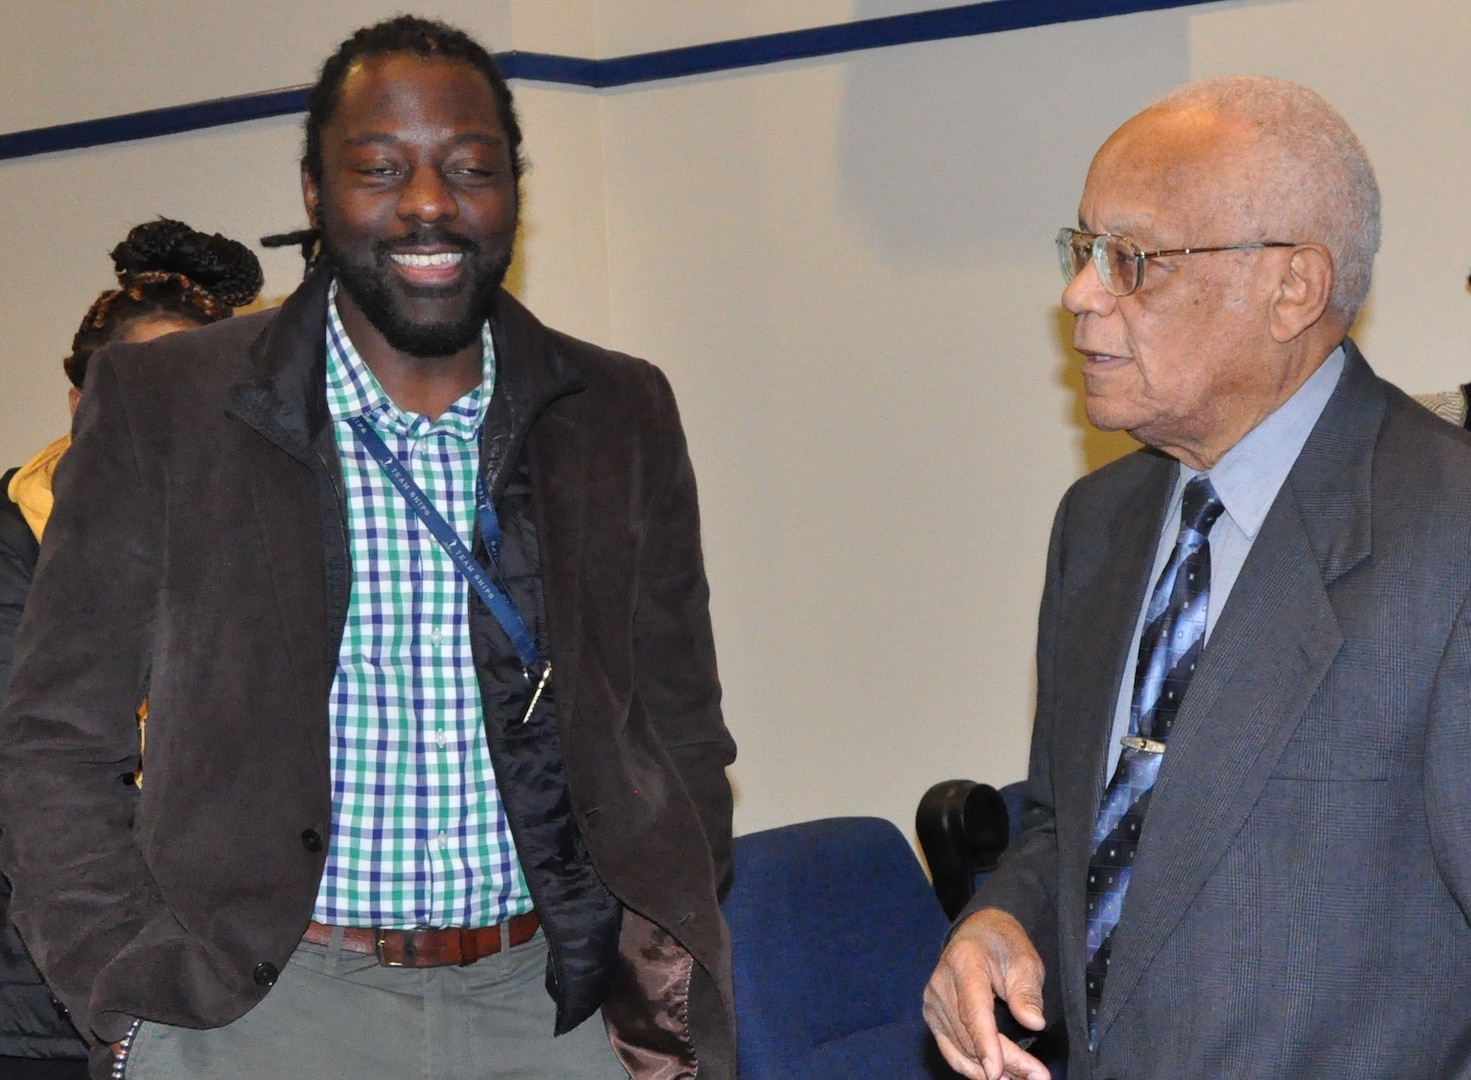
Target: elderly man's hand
column 989, row 957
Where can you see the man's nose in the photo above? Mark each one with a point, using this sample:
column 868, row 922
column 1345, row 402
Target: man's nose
column 426, row 197
column 1085, row 293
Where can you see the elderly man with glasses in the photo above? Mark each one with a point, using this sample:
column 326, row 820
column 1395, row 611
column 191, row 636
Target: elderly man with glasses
column 1247, row 849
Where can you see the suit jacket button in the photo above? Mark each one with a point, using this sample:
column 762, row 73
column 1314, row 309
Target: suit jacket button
column 311, row 840
column 265, row 974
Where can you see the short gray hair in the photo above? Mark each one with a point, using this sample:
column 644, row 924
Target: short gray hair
column 1319, row 182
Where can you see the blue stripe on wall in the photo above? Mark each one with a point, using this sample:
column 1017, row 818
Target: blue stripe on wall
column 145, row 125
column 968, row 20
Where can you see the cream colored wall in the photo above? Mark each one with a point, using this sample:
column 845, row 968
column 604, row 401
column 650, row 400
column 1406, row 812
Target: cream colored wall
column 845, row 267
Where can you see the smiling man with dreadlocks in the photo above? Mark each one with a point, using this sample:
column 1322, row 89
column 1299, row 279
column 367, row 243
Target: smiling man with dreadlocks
column 413, row 587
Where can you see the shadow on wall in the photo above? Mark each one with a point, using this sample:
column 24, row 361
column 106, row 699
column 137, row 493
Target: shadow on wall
column 1360, row 328
column 973, row 122
column 990, row 139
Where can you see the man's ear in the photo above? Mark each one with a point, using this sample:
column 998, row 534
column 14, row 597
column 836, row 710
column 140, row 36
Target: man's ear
column 310, row 195
column 1303, row 291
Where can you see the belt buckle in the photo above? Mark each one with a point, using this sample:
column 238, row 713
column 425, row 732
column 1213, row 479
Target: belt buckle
column 379, row 940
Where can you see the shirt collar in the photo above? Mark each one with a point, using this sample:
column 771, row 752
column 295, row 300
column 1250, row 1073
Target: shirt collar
column 353, row 389
column 1249, row 475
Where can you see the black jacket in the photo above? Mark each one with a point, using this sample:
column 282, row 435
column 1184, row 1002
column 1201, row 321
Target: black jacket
column 32, row 1023
column 18, row 552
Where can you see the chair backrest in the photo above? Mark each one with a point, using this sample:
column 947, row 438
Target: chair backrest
column 835, row 931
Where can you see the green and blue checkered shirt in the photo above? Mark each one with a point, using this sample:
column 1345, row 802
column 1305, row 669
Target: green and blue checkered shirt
column 419, row 836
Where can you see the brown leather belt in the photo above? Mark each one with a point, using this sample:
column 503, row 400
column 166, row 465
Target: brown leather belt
column 429, row 948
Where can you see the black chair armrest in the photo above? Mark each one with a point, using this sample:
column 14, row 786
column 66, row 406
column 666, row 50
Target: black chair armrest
column 963, row 828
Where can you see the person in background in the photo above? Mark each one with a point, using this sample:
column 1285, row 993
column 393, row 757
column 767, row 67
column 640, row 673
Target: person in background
column 170, row 278
column 1450, row 405
column 413, row 585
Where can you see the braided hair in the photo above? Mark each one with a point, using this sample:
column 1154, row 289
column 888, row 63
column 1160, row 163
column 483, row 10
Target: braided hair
column 166, row 268
column 307, row 241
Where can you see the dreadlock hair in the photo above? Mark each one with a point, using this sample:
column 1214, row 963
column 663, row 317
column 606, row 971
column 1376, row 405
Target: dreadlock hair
column 425, row 38
column 166, row 268
column 307, row 241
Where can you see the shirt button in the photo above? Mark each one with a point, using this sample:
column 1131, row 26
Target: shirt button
column 436, row 637
column 442, row 840
column 440, row 738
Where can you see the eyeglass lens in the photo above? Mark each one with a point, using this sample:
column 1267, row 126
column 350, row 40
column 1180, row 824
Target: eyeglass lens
column 1115, row 258
column 1122, row 259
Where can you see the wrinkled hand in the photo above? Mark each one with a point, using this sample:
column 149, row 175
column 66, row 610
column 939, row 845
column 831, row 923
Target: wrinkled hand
column 989, row 957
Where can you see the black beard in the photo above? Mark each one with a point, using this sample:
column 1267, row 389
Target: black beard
column 367, row 284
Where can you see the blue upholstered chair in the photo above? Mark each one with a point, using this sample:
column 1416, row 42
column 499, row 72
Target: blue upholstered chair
column 835, row 931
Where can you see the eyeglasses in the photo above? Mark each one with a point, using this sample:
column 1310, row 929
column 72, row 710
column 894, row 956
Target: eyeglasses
column 1120, row 262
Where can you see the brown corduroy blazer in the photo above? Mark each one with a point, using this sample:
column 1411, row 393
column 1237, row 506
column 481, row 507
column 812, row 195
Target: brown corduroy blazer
column 196, row 556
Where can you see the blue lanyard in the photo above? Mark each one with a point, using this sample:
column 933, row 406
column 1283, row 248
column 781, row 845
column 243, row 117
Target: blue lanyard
column 500, row 605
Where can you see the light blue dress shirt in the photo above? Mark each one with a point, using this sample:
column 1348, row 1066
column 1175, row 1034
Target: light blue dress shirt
column 1247, row 479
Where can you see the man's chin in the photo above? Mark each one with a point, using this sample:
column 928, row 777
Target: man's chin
column 424, row 321
column 426, row 326
column 432, row 341
column 1105, row 416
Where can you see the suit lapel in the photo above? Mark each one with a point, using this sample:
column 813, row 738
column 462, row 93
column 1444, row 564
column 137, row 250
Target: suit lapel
column 1272, row 646
column 285, row 403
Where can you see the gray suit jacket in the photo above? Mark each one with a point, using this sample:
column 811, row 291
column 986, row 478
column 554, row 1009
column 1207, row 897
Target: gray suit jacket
column 1299, row 902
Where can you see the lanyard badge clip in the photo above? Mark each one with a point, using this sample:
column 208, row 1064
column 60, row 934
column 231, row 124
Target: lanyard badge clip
column 539, row 671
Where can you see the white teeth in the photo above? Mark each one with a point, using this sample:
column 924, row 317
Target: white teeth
column 443, row 258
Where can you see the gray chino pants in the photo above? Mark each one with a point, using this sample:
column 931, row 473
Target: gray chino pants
column 335, row 1015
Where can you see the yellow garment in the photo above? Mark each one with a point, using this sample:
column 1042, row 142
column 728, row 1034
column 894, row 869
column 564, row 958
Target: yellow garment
column 30, row 487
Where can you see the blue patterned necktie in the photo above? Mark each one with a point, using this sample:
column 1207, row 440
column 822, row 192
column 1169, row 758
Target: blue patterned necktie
column 1174, row 631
